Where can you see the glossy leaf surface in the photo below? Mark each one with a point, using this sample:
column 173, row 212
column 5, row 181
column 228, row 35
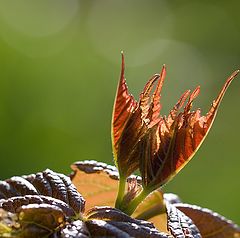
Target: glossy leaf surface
column 160, row 146
column 181, row 225
column 46, row 183
column 107, row 221
column 209, row 223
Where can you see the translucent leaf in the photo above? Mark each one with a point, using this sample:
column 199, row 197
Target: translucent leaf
column 97, row 182
column 40, row 220
column 160, row 146
column 209, row 223
column 168, row 145
column 123, row 106
column 151, row 206
column 153, row 209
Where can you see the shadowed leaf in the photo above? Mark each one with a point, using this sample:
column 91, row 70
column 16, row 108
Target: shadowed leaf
column 47, row 216
column 107, row 221
column 13, row 204
column 58, row 186
column 47, row 183
column 209, row 223
column 8, row 224
column 180, row 225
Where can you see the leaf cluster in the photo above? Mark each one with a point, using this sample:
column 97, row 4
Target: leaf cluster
column 50, row 204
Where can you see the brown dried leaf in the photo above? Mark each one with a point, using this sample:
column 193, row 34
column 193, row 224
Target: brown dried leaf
column 209, row 223
column 107, row 221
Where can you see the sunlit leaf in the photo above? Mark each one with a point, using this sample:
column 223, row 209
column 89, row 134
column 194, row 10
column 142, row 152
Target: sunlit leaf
column 107, row 221
column 47, row 183
column 8, row 224
column 170, row 144
column 153, row 209
column 13, row 204
column 209, row 223
column 58, row 186
column 151, row 206
column 160, row 146
column 40, row 220
column 123, row 106
column 180, row 225
column 171, row 198
column 97, row 182
column 76, row 229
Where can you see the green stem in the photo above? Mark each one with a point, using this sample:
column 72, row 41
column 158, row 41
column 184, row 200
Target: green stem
column 131, row 207
column 121, row 191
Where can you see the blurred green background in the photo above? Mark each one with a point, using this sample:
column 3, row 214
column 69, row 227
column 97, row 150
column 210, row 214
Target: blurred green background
column 59, row 67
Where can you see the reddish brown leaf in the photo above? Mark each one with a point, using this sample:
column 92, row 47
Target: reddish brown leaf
column 123, row 106
column 13, row 204
column 97, row 182
column 58, row 186
column 209, row 223
column 180, row 225
column 168, row 146
column 127, row 126
column 159, row 146
column 45, row 216
column 107, row 221
column 46, row 183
